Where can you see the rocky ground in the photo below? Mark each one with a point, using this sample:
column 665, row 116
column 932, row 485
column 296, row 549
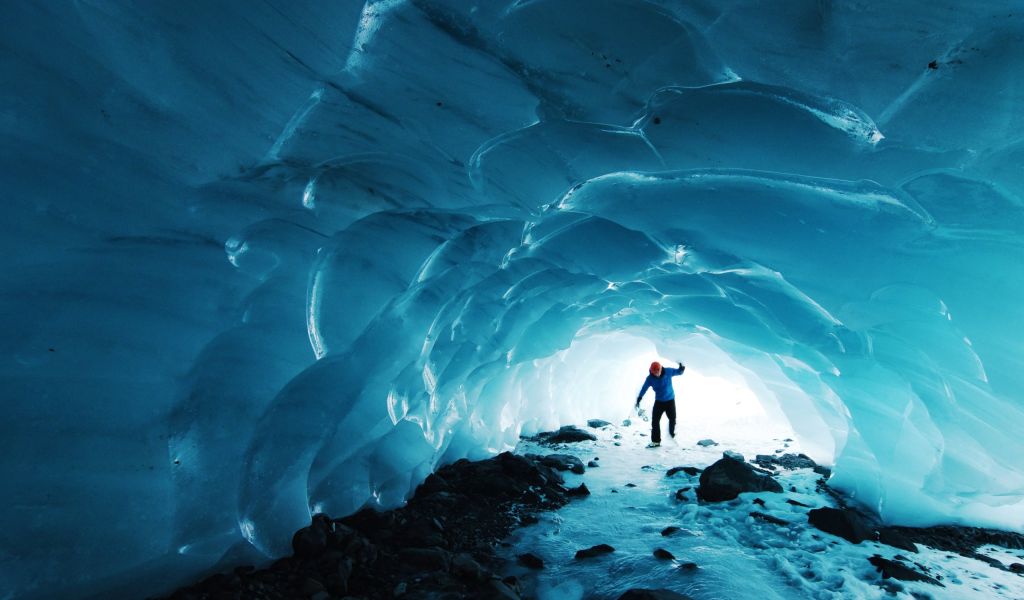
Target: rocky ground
column 443, row 543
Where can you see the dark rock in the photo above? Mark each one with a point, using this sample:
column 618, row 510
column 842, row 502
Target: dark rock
column 663, row 554
column 786, row 461
column 531, row 561
column 729, row 477
column 592, row 464
column 311, row 586
column 758, row 501
column 597, row 423
column 567, row 434
column 669, row 530
column 647, row 594
column 598, row 550
column 1017, row 568
column 434, row 559
column 796, row 503
column 691, row 471
column 733, row 455
column 464, row 566
column 962, row 540
column 310, row 541
column 707, row 442
column 681, row 497
column 896, row 539
column 897, row 570
column 499, row 590
column 823, row 471
column 688, row 566
column 561, row 462
column 846, row 523
column 580, row 491
column 768, row 518
column 630, row 485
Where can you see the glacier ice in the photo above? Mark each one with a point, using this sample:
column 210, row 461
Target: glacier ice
column 264, row 260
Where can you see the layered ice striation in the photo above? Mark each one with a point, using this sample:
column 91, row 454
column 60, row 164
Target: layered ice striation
column 268, row 259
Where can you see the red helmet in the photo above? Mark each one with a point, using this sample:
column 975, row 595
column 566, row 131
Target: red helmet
column 655, row 367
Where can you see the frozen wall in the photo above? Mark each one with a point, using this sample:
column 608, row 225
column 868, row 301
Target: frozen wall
column 268, row 258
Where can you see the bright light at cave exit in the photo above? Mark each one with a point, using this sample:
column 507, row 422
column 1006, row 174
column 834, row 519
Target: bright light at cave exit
column 715, row 396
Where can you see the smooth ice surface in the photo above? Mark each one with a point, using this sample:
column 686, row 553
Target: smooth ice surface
column 265, row 259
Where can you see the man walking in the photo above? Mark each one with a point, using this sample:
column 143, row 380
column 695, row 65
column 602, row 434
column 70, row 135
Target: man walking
column 664, row 399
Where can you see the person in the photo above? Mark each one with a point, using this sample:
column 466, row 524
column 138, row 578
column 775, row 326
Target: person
column 660, row 380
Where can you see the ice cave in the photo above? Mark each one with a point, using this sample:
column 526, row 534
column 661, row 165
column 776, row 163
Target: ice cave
column 265, row 260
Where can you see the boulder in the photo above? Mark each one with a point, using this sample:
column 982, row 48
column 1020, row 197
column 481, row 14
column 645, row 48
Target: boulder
column 691, row 471
column 707, row 442
column 434, row 559
column 592, row 464
column 561, row 462
column 729, row 477
column 897, row 570
column 669, row 530
column 580, row 491
column 768, row 518
column 663, row 554
column 647, row 594
column 530, row 561
column 598, row 550
column 597, row 423
column 567, row 434
column 786, row 461
column 846, row 523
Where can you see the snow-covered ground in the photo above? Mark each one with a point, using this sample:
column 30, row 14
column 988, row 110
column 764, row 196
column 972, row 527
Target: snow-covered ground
column 738, row 556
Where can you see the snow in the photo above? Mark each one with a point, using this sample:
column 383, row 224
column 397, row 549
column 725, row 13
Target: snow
column 737, row 556
column 268, row 259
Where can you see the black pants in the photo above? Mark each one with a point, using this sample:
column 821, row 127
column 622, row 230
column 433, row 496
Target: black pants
column 668, row 408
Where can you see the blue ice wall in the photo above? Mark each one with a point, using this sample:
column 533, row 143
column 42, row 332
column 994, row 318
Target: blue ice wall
column 263, row 259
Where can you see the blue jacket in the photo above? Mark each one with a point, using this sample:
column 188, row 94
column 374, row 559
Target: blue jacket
column 662, row 386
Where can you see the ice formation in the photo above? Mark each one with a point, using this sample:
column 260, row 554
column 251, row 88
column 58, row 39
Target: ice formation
column 263, row 259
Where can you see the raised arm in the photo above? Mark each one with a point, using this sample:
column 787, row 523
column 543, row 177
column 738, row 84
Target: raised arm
column 680, row 370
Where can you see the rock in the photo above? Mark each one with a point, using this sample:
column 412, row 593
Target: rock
column 691, row 471
column 733, row 455
column 501, row 591
column 786, row 461
column 663, row 554
column 730, row 477
column 897, row 570
column 681, row 495
column 597, row 423
column 1017, row 568
column 823, row 471
column 312, row 540
column 648, row 594
column 598, row 550
column 580, row 491
column 893, row 537
column 630, row 485
column 311, row 586
column 434, row 558
column 567, row 434
column 618, row 443
column 669, row 530
column 796, row 503
column 758, row 501
column 845, row 523
column 465, row 567
column 768, row 518
column 707, row 442
column 561, row 462
column 530, row 561
column 617, row 436
column 688, row 566
column 592, row 464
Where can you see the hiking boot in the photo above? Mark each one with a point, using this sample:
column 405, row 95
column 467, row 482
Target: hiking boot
column 653, row 444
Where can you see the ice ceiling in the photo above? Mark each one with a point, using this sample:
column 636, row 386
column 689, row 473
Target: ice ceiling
column 268, row 258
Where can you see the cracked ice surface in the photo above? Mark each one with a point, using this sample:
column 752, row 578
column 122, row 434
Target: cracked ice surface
column 268, row 259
